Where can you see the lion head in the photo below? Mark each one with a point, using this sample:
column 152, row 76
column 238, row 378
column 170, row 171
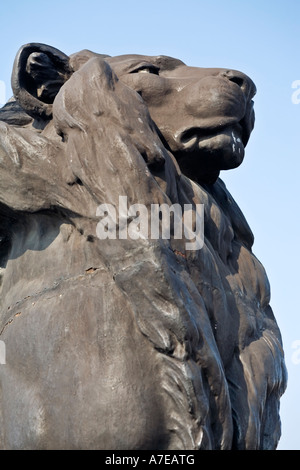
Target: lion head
column 204, row 115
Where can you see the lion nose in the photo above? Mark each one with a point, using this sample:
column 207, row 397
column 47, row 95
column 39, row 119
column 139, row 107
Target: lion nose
column 242, row 80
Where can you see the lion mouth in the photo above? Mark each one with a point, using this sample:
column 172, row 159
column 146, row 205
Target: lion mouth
column 207, row 152
column 192, row 137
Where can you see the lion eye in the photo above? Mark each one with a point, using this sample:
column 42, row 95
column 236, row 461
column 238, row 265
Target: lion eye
column 146, row 68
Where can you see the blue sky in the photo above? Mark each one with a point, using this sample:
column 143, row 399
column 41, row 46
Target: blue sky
column 260, row 38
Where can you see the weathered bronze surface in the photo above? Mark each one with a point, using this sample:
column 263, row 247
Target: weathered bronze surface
column 123, row 343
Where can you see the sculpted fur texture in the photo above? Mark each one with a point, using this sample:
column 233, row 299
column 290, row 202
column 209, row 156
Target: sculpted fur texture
column 122, row 343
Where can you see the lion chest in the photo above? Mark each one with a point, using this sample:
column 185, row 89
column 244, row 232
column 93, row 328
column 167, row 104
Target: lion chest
column 78, row 373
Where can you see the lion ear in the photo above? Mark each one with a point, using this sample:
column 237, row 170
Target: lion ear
column 39, row 71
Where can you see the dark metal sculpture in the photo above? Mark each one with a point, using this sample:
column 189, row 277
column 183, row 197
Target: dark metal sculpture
column 129, row 343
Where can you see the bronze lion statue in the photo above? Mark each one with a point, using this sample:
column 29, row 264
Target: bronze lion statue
column 130, row 343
